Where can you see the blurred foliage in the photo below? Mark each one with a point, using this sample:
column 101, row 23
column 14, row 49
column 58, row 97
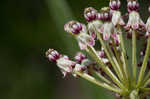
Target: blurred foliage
column 28, row 29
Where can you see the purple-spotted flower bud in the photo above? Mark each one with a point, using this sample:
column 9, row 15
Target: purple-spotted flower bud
column 85, row 40
column 115, row 36
column 92, row 26
column 133, row 5
column 148, row 27
column 114, row 4
column 65, row 65
column 74, row 27
column 117, row 18
column 52, row 55
column 134, row 21
column 107, row 29
column 79, row 57
column 90, row 14
column 101, row 54
column 105, row 14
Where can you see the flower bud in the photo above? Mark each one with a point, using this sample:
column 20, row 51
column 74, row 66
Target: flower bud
column 74, row 27
column 133, row 5
column 90, row 14
column 101, row 54
column 105, row 14
column 79, row 57
column 52, row 55
column 114, row 4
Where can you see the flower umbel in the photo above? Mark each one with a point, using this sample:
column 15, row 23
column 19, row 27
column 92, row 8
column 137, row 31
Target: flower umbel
column 110, row 63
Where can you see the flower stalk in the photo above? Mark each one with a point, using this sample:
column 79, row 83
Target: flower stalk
column 144, row 63
column 134, row 58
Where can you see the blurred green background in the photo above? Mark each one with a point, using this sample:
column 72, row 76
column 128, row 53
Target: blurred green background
column 28, row 29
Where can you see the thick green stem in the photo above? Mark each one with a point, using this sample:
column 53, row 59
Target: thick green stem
column 93, row 80
column 144, row 65
column 134, row 58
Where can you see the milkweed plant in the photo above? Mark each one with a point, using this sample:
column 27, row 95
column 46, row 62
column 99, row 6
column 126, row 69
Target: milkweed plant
column 108, row 67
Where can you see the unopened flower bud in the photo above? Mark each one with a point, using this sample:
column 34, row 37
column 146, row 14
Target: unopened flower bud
column 114, row 4
column 115, row 36
column 101, row 54
column 79, row 57
column 105, row 14
column 90, row 14
column 74, row 27
column 133, row 5
column 52, row 55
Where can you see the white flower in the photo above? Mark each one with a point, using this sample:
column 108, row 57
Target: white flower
column 94, row 25
column 117, row 19
column 134, row 21
column 65, row 65
column 85, row 40
column 107, row 29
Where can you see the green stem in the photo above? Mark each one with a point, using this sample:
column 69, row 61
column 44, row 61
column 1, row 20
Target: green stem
column 144, row 65
column 145, row 89
column 146, row 83
column 110, row 56
column 120, row 63
column 104, row 79
column 146, row 78
column 124, row 55
column 93, row 80
column 134, row 58
column 106, row 69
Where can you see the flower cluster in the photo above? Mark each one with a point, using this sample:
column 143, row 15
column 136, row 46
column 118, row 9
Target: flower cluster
column 110, row 63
